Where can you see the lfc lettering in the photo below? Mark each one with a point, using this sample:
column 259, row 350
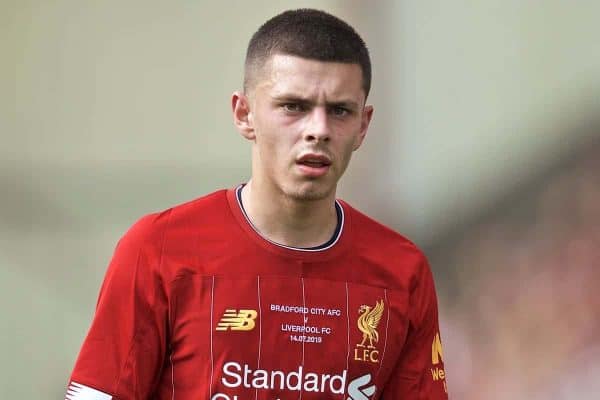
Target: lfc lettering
column 367, row 355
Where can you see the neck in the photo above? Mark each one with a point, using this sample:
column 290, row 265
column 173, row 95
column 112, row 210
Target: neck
column 289, row 221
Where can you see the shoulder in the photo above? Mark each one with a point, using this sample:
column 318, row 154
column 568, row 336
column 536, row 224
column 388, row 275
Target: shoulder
column 382, row 244
column 150, row 230
column 371, row 231
column 200, row 210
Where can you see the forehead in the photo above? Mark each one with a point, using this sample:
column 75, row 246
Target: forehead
column 291, row 75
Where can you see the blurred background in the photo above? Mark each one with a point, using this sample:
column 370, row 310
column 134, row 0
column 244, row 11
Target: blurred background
column 484, row 149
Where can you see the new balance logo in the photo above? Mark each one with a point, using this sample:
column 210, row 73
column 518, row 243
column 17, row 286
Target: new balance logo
column 357, row 391
column 237, row 321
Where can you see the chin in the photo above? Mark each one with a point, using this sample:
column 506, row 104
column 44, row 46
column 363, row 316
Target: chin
column 309, row 192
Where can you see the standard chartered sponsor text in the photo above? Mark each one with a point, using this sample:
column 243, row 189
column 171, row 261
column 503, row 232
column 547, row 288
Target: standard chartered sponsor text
column 236, row 375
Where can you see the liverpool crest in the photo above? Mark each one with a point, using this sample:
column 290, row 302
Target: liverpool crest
column 367, row 322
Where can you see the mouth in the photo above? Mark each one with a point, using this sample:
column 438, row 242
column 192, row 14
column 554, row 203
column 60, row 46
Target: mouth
column 314, row 160
column 313, row 165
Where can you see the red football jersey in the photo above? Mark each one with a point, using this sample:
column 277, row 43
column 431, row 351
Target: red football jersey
column 197, row 305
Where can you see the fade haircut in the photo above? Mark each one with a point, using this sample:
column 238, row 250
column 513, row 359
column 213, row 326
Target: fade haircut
column 310, row 34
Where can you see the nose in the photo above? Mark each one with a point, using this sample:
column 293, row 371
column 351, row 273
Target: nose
column 317, row 129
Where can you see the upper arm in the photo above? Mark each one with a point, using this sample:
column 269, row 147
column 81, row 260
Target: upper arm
column 126, row 344
column 419, row 372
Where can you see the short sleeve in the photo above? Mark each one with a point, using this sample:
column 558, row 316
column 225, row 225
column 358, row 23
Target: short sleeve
column 124, row 350
column 419, row 373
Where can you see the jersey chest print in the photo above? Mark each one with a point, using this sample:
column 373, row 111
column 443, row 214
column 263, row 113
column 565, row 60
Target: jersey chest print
column 283, row 338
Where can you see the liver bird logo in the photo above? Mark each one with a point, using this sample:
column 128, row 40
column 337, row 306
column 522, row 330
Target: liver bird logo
column 368, row 322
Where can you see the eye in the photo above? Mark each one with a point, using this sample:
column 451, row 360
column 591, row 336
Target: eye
column 340, row 111
column 293, row 107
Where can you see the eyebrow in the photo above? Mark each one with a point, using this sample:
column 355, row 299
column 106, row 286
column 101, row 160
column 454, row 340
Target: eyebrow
column 291, row 98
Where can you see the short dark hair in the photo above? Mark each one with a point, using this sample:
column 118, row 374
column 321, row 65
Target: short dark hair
column 311, row 34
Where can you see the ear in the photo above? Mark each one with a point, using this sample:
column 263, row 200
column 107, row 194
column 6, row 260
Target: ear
column 367, row 114
column 242, row 116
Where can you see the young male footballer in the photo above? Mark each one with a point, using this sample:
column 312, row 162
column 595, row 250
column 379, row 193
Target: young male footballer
column 273, row 289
